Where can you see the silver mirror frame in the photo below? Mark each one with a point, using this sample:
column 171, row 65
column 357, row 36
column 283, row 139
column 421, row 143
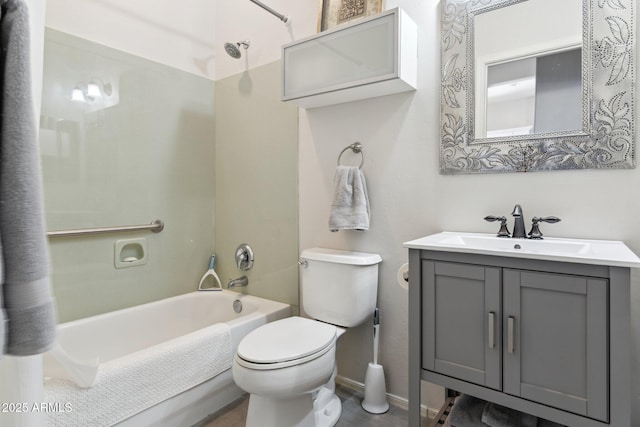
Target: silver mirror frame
column 607, row 140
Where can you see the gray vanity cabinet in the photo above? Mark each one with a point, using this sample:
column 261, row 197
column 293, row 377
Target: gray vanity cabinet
column 461, row 322
column 542, row 337
column 555, row 341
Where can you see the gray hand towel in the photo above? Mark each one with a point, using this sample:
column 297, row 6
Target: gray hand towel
column 26, row 307
column 350, row 206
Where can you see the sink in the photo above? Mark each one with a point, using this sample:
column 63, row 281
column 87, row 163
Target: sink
column 599, row 252
column 555, row 246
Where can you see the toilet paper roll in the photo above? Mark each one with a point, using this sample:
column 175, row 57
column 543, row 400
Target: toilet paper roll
column 403, row 276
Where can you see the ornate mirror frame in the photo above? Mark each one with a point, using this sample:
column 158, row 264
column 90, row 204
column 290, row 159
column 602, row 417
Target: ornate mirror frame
column 608, row 70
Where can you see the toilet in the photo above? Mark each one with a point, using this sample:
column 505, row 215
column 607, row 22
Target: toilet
column 289, row 366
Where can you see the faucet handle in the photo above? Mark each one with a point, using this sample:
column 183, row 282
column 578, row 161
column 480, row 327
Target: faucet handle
column 504, row 231
column 549, row 219
column 535, row 232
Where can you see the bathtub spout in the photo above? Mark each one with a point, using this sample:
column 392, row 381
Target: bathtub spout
column 240, row 281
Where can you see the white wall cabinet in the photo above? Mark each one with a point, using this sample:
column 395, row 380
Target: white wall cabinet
column 372, row 57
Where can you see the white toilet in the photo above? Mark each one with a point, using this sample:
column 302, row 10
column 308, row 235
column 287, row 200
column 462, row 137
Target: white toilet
column 288, row 366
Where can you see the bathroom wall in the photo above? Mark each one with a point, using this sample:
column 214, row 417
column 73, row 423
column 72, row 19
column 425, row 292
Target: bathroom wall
column 146, row 151
column 257, row 182
column 409, row 199
column 181, row 35
column 399, row 134
column 257, row 146
column 141, row 150
column 165, row 169
column 243, row 20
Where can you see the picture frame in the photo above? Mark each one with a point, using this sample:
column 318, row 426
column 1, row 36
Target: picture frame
column 335, row 12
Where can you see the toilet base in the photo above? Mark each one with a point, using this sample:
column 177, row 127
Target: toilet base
column 328, row 415
column 319, row 409
column 296, row 411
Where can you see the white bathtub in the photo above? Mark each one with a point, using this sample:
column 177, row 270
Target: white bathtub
column 120, row 335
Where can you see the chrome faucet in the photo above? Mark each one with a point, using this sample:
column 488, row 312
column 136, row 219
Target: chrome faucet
column 240, row 281
column 518, row 225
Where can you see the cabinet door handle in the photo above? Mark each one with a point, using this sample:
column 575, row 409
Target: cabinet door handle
column 510, row 341
column 492, row 329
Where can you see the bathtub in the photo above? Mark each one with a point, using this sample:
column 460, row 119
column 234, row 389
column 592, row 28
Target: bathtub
column 118, row 337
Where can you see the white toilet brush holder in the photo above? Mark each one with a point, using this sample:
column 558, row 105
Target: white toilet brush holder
column 375, row 389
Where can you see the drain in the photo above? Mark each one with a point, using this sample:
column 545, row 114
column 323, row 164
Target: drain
column 517, row 246
column 237, row 306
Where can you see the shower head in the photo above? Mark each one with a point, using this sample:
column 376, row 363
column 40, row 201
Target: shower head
column 233, row 49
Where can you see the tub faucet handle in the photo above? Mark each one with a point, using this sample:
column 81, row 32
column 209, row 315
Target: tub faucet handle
column 244, row 257
column 504, row 231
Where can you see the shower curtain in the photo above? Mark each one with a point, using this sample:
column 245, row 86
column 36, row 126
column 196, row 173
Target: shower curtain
column 22, row 376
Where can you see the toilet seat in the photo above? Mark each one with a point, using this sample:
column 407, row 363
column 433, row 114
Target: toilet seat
column 287, row 342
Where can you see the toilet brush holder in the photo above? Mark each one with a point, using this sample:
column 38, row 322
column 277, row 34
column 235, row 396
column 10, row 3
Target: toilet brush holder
column 375, row 390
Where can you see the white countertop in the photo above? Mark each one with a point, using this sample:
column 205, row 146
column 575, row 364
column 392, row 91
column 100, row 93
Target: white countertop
column 598, row 252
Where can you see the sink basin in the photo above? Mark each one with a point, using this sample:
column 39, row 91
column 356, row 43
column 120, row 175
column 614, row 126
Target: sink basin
column 556, row 246
column 599, row 252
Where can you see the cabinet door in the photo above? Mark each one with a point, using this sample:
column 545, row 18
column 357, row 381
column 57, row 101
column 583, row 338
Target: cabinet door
column 461, row 322
column 555, row 341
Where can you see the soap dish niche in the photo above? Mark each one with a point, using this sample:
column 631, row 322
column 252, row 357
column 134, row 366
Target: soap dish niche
column 130, row 252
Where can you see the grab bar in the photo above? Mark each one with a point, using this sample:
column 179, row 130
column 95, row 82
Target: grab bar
column 156, row 226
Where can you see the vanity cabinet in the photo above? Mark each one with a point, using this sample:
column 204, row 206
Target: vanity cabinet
column 460, row 322
column 547, row 338
column 555, row 341
column 519, row 331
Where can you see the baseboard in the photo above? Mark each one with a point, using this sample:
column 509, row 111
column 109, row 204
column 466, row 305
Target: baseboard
column 393, row 399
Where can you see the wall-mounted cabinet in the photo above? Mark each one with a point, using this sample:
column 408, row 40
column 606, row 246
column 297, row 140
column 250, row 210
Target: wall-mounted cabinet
column 373, row 57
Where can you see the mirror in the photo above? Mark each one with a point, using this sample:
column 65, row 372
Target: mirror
column 531, row 81
column 530, row 85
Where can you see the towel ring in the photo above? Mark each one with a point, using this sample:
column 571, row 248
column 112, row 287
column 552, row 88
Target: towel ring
column 356, row 147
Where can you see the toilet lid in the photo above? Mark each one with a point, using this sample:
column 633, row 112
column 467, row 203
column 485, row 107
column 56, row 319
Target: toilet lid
column 285, row 340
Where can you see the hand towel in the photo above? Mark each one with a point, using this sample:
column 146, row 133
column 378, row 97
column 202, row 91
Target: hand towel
column 350, row 206
column 26, row 307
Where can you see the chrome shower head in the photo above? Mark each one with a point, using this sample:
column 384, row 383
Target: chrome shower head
column 233, row 49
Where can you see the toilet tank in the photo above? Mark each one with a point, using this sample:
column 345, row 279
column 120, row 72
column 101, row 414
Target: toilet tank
column 339, row 287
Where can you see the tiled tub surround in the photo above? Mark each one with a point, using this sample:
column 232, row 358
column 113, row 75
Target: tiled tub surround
column 136, row 144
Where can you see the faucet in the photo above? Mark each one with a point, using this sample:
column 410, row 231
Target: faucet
column 240, row 281
column 518, row 225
